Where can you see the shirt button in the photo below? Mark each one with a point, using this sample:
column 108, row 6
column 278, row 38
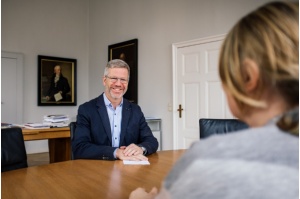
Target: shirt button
column 115, row 125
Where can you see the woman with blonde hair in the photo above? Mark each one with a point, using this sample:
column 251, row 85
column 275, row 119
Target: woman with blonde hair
column 259, row 70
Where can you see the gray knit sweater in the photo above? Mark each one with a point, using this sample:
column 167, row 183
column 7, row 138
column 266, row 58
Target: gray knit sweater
column 256, row 163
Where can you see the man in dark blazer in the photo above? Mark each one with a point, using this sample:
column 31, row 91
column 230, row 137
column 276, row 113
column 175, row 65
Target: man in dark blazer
column 109, row 127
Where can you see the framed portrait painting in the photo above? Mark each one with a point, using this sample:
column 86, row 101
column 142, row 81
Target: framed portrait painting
column 56, row 81
column 128, row 52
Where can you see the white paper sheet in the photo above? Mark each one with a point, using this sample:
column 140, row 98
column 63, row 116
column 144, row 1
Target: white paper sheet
column 130, row 162
column 57, row 96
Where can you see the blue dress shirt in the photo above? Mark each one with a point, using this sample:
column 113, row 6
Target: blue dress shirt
column 115, row 118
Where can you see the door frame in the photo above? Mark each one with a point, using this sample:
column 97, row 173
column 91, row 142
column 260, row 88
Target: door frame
column 175, row 47
column 19, row 58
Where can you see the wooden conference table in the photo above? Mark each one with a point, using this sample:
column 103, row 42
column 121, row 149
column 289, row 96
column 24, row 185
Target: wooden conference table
column 58, row 138
column 87, row 178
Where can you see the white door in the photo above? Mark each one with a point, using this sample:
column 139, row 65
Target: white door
column 196, row 88
column 11, row 88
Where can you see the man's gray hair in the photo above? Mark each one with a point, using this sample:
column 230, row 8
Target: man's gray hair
column 116, row 63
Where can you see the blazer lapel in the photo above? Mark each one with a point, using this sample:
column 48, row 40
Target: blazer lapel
column 126, row 112
column 104, row 117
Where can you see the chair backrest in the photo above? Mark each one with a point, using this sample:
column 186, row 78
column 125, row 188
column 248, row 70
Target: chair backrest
column 72, row 126
column 13, row 152
column 219, row 126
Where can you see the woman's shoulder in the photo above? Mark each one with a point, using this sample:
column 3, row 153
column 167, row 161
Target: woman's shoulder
column 265, row 144
column 234, row 178
column 247, row 143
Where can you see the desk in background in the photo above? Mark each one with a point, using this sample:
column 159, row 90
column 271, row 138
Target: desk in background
column 58, row 138
column 87, row 178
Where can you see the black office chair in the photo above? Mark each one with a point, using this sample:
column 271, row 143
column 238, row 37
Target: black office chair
column 219, row 126
column 13, row 152
column 72, row 126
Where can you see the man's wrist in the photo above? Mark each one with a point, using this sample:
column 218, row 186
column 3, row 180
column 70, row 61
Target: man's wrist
column 115, row 153
column 144, row 150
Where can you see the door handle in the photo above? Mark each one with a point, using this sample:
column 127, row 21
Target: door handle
column 180, row 109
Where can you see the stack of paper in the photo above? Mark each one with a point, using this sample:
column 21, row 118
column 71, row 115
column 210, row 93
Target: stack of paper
column 56, row 120
column 35, row 126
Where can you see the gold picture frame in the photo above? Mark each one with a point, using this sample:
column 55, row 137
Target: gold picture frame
column 56, row 81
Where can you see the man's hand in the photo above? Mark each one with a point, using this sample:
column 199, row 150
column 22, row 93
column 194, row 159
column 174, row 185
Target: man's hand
column 132, row 149
column 121, row 155
column 141, row 193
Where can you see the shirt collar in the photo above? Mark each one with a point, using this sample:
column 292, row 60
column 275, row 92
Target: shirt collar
column 108, row 103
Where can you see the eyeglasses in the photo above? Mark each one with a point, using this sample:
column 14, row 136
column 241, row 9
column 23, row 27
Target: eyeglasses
column 115, row 79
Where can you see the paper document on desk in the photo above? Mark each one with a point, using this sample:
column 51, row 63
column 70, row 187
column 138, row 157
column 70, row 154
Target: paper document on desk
column 36, row 126
column 130, row 162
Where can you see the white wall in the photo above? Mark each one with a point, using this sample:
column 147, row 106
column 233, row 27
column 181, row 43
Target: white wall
column 56, row 28
column 83, row 29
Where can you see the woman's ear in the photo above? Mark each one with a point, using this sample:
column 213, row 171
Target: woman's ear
column 251, row 74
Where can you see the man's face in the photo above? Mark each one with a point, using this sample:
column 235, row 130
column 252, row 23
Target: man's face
column 115, row 90
column 57, row 70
